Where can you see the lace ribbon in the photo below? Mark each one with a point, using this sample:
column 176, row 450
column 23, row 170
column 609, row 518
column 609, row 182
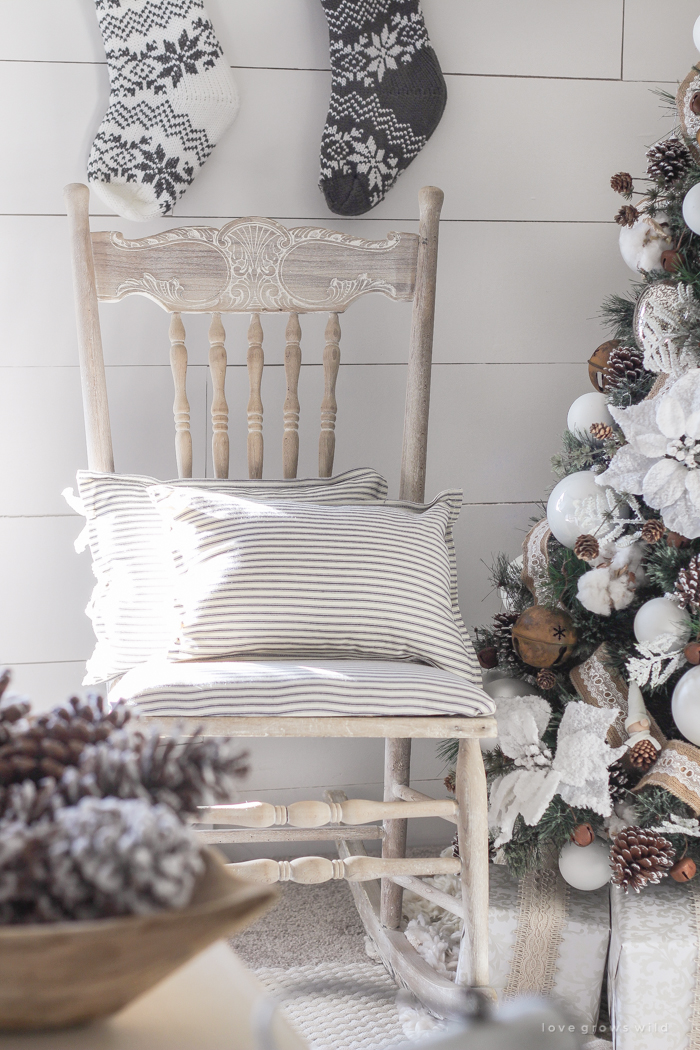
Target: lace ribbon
column 601, row 686
column 543, row 899
column 678, row 770
column 535, row 560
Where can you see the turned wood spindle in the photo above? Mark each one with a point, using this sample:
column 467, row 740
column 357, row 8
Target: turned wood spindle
column 314, row 814
column 329, row 405
column 310, row 870
column 181, row 406
column 292, row 367
column 256, row 361
column 219, row 407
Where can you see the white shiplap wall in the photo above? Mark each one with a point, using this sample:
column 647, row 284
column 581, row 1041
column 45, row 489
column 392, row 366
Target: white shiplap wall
column 546, row 100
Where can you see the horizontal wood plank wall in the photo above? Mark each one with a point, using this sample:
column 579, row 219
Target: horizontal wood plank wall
column 546, row 101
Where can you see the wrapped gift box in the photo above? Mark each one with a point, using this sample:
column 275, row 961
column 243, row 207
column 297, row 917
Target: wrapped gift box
column 653, row 979
column 544, row 938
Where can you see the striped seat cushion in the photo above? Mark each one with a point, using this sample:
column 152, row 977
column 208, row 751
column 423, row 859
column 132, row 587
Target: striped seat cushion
column 132, row 606
column 310, row 581
column 312, row 688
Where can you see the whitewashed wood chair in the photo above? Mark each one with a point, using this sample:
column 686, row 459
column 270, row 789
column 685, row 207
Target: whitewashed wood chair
column 257, row 266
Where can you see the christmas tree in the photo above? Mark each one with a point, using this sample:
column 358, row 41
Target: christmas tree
column 594, row 663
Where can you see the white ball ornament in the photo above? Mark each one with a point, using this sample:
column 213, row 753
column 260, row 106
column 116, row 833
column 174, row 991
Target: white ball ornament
column 561, row 505
column 660, row 616
column 696, row 33
column 587, row 410
column 691, row 208
column 502, row 688
column 585, row 867
column 643, row 244
column 685, row 705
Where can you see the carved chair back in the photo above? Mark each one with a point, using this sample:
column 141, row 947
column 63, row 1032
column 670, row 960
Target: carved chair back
column 255, row 266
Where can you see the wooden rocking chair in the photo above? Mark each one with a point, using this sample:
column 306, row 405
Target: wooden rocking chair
column 257, row 266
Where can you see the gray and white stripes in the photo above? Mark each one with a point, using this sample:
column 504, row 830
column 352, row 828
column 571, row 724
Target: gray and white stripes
column 311, row 581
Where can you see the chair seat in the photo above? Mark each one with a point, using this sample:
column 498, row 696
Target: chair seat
column 314, row 688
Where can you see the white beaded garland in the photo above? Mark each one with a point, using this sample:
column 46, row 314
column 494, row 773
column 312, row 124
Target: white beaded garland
column 585, row 867
column 685, row 705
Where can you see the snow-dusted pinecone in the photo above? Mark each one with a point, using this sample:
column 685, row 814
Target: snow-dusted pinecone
column 586, row 547
column 201, row 772
column 12, row 708
column 622, row 183
column 56, row 740
column 627, row 215
column 687, row 586
column 642, row 755
column 619, row 781
column 625, row 365
column 668, row 160
column 121, row 857
column 653, row 530
column 639, row 857
column 503, row 637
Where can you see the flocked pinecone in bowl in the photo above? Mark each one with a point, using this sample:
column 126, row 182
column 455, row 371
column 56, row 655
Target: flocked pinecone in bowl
column 104, row 888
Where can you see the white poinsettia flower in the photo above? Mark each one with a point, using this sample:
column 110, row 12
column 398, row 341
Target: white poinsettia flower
column 661, row 461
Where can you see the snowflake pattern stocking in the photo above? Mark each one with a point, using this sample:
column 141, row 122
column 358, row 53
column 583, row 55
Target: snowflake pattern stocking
column 387, row 97
column 172, row 96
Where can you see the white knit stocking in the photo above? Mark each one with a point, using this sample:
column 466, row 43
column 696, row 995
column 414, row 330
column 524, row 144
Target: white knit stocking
column 172, row 96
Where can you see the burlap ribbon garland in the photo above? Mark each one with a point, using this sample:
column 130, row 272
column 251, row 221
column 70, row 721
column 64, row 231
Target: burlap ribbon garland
column 677, row 769
column 601, row 686
column 543, row 898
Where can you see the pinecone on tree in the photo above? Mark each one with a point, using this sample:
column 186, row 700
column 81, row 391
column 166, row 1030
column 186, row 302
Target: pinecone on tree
column 668, row 161
column 687, row 586
column 622, row 183
column 503, row 637
column 625, row 366
column 601, row 431
column 627, row 215
column 56, row 740
column 619, row 781
column 546, row 679
column 639, row 857
column 586, row 547
column 202, row 772
column 642, row 755
column 653, row 530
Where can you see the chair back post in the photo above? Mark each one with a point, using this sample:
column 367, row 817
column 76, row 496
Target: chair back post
column 92, row 367
column 415, row 432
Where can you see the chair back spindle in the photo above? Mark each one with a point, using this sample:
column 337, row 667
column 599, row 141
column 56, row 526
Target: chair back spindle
column 256, row 362
column 329, row 405
column 254, row 266
column 181, row 406
column 219, row 406
column 292, row 368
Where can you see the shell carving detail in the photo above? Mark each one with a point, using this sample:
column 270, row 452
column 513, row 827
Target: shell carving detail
column 254, row 265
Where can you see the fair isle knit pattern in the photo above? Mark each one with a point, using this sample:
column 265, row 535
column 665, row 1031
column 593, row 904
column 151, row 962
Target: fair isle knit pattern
column 388, row 95
column 172, row 96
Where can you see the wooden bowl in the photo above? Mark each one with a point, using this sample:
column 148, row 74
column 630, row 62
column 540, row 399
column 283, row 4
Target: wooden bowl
column 57, row 974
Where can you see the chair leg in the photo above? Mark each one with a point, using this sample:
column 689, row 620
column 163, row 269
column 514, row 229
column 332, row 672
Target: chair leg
column 473, row 837
column 397, row 769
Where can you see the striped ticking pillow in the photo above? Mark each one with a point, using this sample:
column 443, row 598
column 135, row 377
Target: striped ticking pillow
column 132, row 606
column 305, row 580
